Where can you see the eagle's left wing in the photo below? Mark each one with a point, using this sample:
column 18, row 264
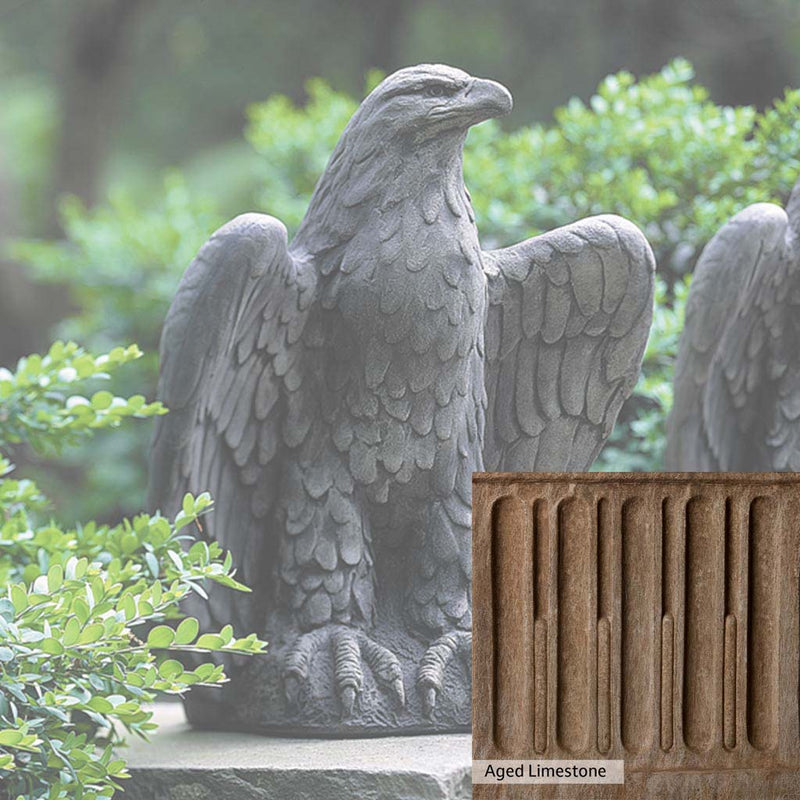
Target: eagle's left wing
column 569, row 315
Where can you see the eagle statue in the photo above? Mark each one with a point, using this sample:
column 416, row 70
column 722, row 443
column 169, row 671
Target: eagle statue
column 737, row 376
column 336, row 393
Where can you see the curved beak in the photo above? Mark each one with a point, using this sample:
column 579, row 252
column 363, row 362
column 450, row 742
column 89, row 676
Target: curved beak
column 485, row 99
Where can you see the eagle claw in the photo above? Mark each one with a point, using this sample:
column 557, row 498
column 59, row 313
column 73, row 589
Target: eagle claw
column 350, row 650
column 432, row 668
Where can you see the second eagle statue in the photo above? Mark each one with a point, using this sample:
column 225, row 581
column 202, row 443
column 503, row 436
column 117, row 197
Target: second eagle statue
column 335, row 395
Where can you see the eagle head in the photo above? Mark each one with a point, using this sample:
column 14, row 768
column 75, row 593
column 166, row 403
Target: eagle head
column 407, row 133
column 427, row 100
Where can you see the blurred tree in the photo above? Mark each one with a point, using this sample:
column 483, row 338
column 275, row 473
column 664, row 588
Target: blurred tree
column 742, row 49
column 387, row 19
column 91, row 78
column 18, row 296
column 98, row 44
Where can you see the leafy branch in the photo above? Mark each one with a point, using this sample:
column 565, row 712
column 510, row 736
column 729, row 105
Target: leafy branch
column 89, row 615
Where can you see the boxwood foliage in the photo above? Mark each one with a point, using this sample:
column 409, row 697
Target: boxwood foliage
column 89, row 619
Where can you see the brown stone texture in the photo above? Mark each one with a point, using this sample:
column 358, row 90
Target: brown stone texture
column 645, row 617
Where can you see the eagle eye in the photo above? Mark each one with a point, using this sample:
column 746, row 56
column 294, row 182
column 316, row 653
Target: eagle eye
column 438, row 90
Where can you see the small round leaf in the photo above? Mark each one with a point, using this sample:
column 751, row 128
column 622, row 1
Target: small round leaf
column 161, row 636
column 187, row 631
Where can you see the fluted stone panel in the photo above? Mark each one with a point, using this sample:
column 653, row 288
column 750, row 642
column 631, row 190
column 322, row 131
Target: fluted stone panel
column 651, row 618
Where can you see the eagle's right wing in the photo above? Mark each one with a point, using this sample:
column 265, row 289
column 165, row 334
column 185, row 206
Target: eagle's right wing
column 729, row 350
column 569, row 314
column 231, row 377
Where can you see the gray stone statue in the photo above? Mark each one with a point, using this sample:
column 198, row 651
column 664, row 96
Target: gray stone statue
column 336, row 394
column 737, row 376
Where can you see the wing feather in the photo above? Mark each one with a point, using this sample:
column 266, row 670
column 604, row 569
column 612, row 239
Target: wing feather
column 226, row 360
column 569, row 315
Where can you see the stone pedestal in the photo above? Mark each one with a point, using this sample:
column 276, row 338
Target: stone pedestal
column 185, row 764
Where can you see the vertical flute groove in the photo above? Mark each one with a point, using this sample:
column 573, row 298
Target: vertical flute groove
column 730, row 559
column 734, row 552
column 603, row 685
column 574, row 623
column 762, row 626
column 704, row 609
column 541, row 607
column 729, row 684
column 636, row 674
column 667, row 684
column 540, row 686
column 513, row 626
column 669, row 577
column 605, row 593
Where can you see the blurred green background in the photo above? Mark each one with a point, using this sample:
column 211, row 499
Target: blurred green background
column 129, row 129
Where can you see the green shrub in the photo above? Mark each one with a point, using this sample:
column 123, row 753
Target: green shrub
column 73, row 672
column 121, row 264
column 294, row 145
column 657, row 151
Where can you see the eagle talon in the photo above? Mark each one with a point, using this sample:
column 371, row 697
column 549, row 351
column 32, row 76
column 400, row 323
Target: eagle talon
column 399, row 691
column 291, row 688
column 348, row 700
column 429, row 701
column 432, row 668
column 351, row 649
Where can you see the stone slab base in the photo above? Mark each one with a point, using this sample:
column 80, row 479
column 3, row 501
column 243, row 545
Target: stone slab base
column 181, row 763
